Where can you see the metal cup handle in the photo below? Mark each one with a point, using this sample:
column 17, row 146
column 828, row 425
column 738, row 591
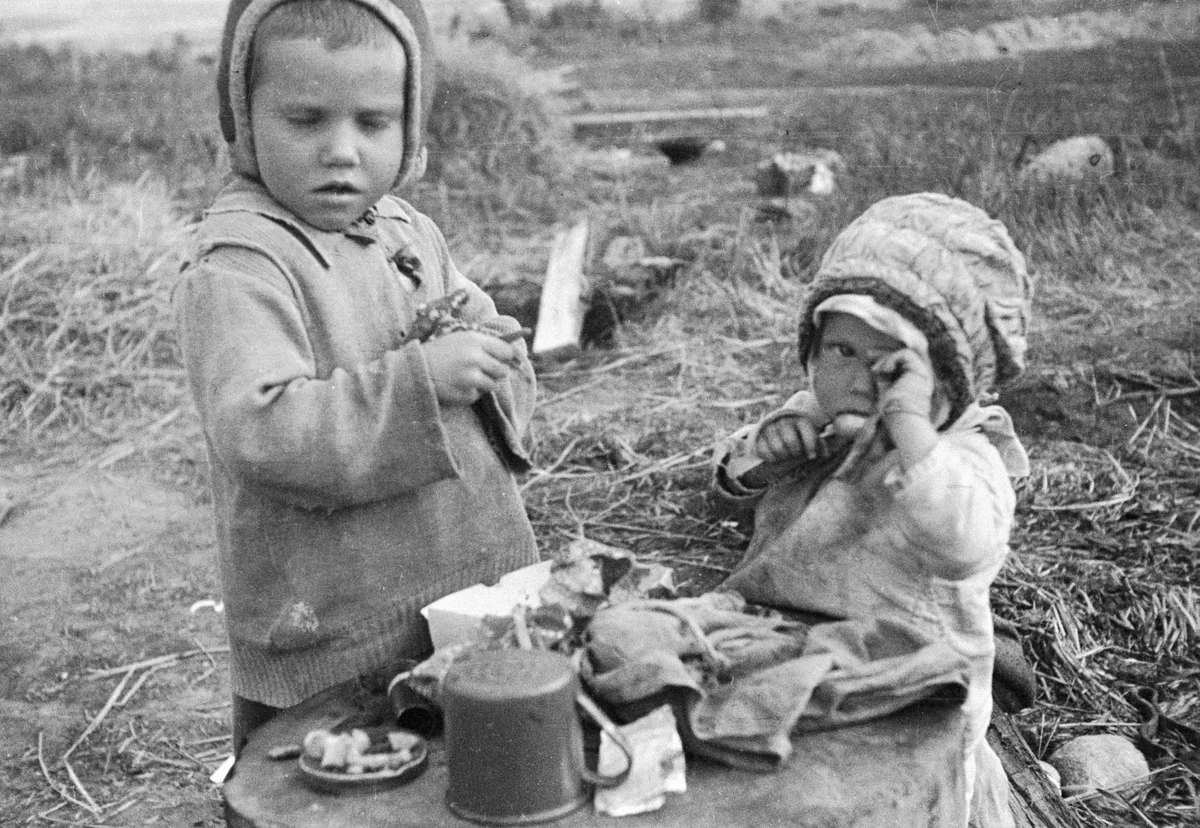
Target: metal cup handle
column 600, row 718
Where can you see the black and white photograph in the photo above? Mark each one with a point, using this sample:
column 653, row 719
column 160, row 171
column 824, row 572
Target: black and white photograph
column 631, row 413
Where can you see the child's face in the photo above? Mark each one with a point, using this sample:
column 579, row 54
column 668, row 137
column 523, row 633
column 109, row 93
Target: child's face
column 328, row 127
column 840, row 370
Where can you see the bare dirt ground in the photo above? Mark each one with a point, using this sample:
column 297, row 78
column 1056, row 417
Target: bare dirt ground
column 101, row 568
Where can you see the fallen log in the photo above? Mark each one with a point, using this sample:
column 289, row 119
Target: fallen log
column 1034, row 801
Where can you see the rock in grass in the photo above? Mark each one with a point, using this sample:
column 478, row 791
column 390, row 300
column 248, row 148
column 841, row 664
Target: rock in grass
column 1051, row 774
column 1104, row 761
column 1079, row 158
column 789, row 173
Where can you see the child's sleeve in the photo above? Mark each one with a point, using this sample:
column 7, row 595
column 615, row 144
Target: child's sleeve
column 360, row 435
column 955, row 507
column 734, row 455
column 508, row 410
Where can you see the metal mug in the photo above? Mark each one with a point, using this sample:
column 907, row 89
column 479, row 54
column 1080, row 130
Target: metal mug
column 514, row 740
column 412, row 710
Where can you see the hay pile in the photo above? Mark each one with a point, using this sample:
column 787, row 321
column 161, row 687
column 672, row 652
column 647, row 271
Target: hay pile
column 491, row 116
column 86, row 335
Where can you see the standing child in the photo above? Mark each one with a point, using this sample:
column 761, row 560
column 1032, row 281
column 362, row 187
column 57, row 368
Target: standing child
column 883, row 491
column 359, row 470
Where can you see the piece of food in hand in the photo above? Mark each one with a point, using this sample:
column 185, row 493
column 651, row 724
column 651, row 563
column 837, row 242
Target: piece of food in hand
column 848, row 425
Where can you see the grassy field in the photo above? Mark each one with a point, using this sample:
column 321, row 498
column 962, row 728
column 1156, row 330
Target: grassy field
column 122, row 152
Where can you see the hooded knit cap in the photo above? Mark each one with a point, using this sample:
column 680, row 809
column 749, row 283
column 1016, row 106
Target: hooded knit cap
column 406, row 18
column 952, row 271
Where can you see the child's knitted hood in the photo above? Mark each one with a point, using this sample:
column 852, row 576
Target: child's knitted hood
column 948, row 268
column 405, row 17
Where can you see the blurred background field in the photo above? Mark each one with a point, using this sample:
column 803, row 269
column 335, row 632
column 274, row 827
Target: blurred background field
column 107, row 156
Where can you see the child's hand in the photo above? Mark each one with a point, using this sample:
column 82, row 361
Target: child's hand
column 465, row 365
column 904, row 388
column 903, row 385
column 789, row 439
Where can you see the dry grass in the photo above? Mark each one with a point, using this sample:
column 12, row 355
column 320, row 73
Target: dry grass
column 86, row 336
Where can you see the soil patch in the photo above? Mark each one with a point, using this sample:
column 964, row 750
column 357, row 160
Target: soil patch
column 102, row 566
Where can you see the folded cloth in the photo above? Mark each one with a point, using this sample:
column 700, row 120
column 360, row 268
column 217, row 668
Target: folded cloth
column 742, row 683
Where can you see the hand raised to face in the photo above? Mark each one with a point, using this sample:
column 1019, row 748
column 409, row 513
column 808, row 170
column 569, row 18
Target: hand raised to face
column 904, row 384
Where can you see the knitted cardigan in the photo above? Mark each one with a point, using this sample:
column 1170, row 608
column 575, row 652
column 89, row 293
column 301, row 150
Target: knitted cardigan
column 346, row 497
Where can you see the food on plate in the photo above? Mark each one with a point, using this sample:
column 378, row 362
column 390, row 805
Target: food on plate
column 358, row 751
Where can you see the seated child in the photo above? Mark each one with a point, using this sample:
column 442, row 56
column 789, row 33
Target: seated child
column 884, row 489
column 358, row 472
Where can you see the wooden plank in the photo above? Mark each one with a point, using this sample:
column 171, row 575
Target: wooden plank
column 670, row 115
column 562, row 305
column 711, row 121
column 1034, row 801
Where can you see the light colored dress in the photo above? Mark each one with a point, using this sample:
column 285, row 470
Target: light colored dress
column 871, row 540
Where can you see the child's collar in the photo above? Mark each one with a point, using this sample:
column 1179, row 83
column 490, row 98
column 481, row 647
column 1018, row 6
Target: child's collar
column 249, row 195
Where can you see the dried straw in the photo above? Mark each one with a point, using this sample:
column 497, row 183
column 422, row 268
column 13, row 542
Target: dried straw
column 86, row 339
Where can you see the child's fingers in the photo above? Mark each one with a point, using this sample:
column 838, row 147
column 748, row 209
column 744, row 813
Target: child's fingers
column 513, row 336
column 504, row 350
column 890, row 368
column 887, row 369
column 904, row 383
column 813, row 447
column 466, row 364
column 494, row 371
column 763, row 446
column 780, row 444
column 786, row 440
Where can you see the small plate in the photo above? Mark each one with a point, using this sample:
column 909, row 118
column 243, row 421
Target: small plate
column 328, row 781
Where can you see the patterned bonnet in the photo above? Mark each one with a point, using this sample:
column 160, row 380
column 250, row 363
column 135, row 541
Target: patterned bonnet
column 952, row 271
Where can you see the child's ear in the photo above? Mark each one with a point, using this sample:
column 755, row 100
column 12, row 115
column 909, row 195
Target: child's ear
column 420, row 161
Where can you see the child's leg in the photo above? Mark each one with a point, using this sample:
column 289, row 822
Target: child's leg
column 247, row 717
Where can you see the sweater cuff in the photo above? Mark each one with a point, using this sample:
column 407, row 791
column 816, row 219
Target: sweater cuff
column 732, row 458
column 729, row 477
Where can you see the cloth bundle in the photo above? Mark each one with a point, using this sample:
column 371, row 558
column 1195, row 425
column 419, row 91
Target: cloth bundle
column 741, row 683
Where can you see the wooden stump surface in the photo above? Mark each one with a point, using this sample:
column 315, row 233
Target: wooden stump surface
column 901, row 771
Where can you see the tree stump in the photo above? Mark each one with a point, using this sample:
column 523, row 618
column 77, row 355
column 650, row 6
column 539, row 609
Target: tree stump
column 903, row 770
